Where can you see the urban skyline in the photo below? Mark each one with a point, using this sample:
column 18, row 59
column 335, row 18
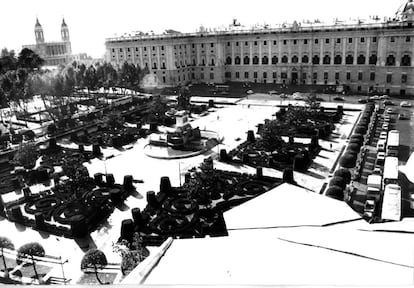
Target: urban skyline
column 91, row 22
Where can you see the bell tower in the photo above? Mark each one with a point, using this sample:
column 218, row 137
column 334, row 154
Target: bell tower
column 39, row 33
column 64, row 31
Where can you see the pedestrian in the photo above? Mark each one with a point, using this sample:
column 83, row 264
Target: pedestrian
column 330, row 144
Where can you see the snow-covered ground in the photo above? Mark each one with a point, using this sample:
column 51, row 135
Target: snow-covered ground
column 230, row 122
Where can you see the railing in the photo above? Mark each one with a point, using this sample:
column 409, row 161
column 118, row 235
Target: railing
column 290, row 28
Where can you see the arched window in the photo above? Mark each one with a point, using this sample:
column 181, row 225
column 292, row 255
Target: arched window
column 406, row 60
column 194, row 62
column 305, row 59
column 373, row 59
column 315, row 59
column 275, row 60
column 237, row 60
column 285, row 59
column 390, row 60
column 349, row 59
column 203, row 62
column 265, row 60
column 228, row 60
column 326, row 59
column 295, row 59
column 154, row 66
column 255, row 60
column 338, row 59
column 246, row 60
column 361, row 59
column 212, row 62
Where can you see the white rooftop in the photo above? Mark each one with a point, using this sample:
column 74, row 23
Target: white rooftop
column 288, row 206
column 265, row 248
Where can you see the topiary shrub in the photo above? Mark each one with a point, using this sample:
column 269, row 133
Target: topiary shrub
column 348, row 160
column 338, row 181
column 354, row 147
column 335, row 192
column 344, row 173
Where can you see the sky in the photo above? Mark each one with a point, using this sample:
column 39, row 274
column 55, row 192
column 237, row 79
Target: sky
column 90, row 22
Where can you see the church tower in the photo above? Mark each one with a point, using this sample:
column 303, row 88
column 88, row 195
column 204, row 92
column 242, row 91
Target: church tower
column 39, row 33
column 64, row 31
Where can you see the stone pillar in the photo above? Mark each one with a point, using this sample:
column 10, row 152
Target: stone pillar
column 344, row 50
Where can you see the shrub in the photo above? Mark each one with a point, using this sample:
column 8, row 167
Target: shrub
column 338, row 181
column 348, row 160
column 344, row 173
column 335, row 192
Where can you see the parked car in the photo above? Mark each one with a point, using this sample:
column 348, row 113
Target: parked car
column 375, row 97
column 380, row 159
column 362, row 101
column 388, row 102
column 283, row 96
column 249, row 92
column 385, row 126
column 369, row 208
column 298, row 97
column 403, row 116
column 272, row 92
column 405, row 104
column 339, row 98
column 390, row 111
column 383, row 136
column 384, row 97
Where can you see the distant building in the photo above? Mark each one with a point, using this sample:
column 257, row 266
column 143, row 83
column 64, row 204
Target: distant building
column 362, row 57
column 54, row 53
column 86, row 59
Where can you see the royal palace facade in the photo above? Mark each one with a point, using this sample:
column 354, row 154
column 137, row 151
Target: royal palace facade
column 365, row 58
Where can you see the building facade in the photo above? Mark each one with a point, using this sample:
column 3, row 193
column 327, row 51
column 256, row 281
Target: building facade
column 54, row 53
column 363, row 57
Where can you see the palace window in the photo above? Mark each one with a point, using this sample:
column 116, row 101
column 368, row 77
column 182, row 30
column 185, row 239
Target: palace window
column 338, row 59
column 390, row 60
column 305, row 59
column 285, row 59
column 361, row 59
column 246, row 60
column 359, row 76
column 349, row 59
column 403, row 78
column 237, row 60
column 406, row 60
column 373, row 59
column 254, row 75
column 255, row 60
column 265, row 60
column 275, row 60
column 295, row 59
column 315, row 59
column 372, row 76
column 338, row 40
column 228, row 60
column 327, row 41
column 246, row 75
column 326, row 60
column 389, row 78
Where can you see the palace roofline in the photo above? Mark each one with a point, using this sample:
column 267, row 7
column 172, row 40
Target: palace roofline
column 292, row 28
